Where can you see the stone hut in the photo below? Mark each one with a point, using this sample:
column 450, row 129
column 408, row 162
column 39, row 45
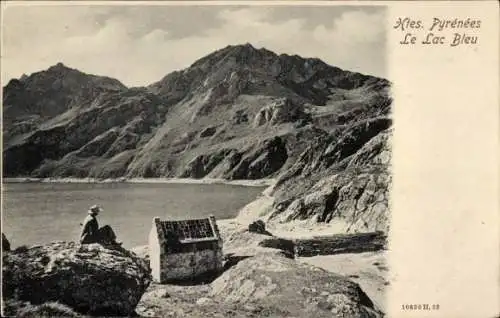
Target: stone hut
column 184, row 249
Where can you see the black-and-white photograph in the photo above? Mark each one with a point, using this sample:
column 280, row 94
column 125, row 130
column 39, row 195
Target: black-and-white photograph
column 195, row 160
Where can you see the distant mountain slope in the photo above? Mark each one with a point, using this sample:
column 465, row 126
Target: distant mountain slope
column 237, row 113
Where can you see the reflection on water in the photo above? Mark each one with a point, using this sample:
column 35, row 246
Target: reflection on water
column 37, row 213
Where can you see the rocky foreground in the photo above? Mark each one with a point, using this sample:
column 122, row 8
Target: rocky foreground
column 259, row 280
column 264, row 280
column 265, row 285
column 90, row 279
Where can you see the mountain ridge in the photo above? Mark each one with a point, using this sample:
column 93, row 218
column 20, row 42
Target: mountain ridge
column 237, row 113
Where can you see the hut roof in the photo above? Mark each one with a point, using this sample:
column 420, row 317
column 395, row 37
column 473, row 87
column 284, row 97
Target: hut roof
column 190, row 230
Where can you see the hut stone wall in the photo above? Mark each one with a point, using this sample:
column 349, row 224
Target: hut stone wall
column 184, row 249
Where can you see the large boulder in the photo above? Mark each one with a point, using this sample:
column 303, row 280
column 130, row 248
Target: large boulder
column 286, row 288
column 91, row 279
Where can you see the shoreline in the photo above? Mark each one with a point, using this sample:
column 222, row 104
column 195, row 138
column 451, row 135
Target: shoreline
column 248, row 183
column 259, row 208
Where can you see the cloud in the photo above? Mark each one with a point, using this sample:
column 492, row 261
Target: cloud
column 140, row 45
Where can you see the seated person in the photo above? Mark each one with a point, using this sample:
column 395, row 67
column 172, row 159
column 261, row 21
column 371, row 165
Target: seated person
column 91, row 233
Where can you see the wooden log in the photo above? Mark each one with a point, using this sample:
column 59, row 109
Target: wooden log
column 329, row 245
column 340, row 243
column 287, row 246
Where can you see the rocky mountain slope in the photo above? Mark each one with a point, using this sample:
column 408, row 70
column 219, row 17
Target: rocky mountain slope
column 332, row 182
column 238, row 113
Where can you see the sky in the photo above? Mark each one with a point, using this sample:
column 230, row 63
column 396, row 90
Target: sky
column 139, row 44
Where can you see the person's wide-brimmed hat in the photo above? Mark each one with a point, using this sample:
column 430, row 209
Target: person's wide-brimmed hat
column 95, row 209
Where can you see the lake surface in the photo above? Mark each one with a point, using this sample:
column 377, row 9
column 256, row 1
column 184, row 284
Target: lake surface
column 37, row 213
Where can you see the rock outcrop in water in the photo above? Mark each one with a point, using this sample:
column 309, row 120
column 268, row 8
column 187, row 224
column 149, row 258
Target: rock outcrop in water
column 90, row 279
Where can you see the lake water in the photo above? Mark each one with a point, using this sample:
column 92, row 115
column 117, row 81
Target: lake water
column 37, row 213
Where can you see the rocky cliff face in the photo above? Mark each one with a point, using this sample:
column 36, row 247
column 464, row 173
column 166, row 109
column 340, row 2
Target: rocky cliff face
column 238, row 113
column 332, row 184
